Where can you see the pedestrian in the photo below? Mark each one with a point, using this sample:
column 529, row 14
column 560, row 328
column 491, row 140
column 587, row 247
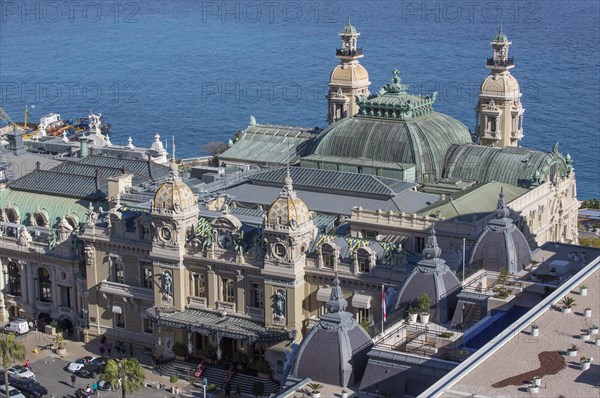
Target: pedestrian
column 73, row 379
column 238, row 390
column 109, row 349
column 102, row 348
column 131, row 350
column 228, row 390
column 28, row 364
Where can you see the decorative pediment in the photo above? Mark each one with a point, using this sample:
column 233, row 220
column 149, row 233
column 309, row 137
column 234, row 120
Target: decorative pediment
column 227, row 221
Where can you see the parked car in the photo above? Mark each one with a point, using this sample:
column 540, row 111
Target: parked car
column 17, row 326
column 92, row 369
column 79, row 363
column 28, row 387
column 12, row 392
column 20, row 372
column 104, row 385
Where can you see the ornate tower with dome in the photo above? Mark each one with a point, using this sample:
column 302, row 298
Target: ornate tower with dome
column 174, row 214
column 288, row 231
column 499, row 112
column 349, row 79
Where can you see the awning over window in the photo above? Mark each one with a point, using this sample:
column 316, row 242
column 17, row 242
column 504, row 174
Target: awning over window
column 117, row 309
column 323, row 293
column 361, row 301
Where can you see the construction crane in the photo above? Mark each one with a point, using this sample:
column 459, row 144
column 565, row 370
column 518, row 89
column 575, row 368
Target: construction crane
column 6, row 119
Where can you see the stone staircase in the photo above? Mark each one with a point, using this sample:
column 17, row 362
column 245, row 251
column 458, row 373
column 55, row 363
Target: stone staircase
column 214, row 375
column 473, row 317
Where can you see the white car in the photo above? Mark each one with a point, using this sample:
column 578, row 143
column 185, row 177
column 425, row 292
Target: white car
column 12, row 392
column 21, row 372
column 79, row 363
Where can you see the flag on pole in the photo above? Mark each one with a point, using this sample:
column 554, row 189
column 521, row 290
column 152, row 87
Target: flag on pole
column 383, row 303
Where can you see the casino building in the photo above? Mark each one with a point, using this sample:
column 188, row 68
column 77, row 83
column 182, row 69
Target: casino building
column 243, row 259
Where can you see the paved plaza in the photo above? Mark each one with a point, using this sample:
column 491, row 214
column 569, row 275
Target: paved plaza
column 49, row 368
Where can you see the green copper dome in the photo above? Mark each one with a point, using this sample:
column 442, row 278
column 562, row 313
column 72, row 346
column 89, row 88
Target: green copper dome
column 501, row 36
column 393, row 127
column 349, row 29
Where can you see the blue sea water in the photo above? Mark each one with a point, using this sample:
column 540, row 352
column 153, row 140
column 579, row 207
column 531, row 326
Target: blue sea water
column 197, row 70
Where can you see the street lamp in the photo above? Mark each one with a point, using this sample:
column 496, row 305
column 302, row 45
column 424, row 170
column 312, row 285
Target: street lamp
column 204, row 385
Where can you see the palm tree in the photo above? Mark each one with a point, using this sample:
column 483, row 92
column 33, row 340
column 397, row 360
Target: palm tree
column 11, row 351
column 128, row 373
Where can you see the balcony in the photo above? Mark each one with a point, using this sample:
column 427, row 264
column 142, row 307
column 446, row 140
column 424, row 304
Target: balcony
column 342, row 52
column 507, row 62
column 120, row 289
column 197, row 302
column 257, row 314
column 226, row 306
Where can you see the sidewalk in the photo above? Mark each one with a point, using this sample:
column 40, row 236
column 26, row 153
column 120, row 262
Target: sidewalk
column 76, row 349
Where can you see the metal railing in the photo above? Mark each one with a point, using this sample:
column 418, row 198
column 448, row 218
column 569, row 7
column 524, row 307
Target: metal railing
column 501, row 62
column 348, row 53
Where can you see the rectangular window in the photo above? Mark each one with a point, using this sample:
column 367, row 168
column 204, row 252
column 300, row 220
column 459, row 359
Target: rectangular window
column 146, row 272
column 46, row 291
column 364, row 264
column 362, row 315
column 258, row 296
column 148, row 326
column 119, row 320
column 65, row 296
column 368, row 233
column 329, row 259
column 144, row 232
column 419, row 244
column 117, row 269
column 228, row 293
column 198, row 288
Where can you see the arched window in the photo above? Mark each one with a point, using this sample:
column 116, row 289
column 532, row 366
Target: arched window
column 11, row 215
column 45, row 285
column 40, row 219
column 328, row 252
column 14, row 279
column 364, row 260
column 73, row 222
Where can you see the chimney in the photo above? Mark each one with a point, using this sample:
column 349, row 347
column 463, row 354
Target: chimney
column 38, row 165
column 83, row 147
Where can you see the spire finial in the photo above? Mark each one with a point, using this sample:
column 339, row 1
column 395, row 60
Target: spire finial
column 501, row 24
column 336, row 302
column 287, row 181
column 501, row 209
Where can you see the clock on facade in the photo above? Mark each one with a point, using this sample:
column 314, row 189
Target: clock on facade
column 225, row 239
column 280, row 250
column 165, row 233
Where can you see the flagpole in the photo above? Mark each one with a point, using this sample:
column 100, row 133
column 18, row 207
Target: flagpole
column 463, row 263
column 383, row 313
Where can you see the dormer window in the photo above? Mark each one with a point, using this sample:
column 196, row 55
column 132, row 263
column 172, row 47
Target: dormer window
column 11, row 215
column 329, row 257
column 72, row 222
column 364, row 261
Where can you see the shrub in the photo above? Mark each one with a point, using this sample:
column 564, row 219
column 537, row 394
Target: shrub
column 424, row 302
column 173, row 379
column 179, row 349
column 316, row 387
column 568, row 302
